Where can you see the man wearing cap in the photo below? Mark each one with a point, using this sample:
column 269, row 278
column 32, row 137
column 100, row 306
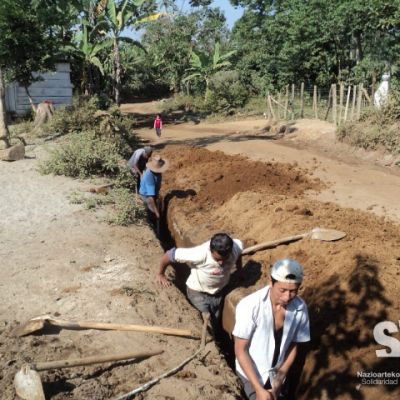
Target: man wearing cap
column 211, row 266
column 137, row 162
column 269, row 325
column 150, row 186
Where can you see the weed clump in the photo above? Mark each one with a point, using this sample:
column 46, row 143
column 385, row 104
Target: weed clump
column 377, row 129
column 83, row 155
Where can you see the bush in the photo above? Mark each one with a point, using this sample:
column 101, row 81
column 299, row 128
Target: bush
column 97, row 141
column 378, row 128
column 182, row 102
column 83, row 155
column 226, row 92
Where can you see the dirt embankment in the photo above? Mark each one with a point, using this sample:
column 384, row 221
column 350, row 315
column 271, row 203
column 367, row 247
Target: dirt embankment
column 350, row 285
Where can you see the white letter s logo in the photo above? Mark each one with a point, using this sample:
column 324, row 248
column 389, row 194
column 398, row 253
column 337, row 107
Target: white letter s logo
column 385, row 340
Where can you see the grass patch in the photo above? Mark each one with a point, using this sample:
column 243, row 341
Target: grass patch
column 127, row 209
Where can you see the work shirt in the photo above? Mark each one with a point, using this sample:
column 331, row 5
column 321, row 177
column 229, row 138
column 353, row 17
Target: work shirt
column 138, row 158
column 150, row 183
column 158, row 123
column 255, row 322
column 206, row 275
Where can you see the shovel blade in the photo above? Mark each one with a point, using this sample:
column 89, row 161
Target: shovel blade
column 29, row 327
column 328, row 235
column 28, row 385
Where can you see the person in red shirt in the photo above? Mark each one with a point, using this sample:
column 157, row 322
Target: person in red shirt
column 158, row 125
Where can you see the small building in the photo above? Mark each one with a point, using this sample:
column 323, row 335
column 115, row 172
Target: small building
column 55, row 87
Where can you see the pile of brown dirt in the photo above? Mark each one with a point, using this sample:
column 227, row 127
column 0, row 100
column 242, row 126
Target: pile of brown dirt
column 216, row 177
column 350, row 285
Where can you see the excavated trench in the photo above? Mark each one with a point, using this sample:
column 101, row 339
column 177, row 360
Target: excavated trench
column 350, row 285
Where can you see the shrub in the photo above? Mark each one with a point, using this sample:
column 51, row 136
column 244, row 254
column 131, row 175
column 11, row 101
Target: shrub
column 226, row 92
column 83, row 155
column 378, row 128
column 182, row 102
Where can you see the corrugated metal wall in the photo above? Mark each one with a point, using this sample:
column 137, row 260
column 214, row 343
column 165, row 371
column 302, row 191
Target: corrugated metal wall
column 56, row 87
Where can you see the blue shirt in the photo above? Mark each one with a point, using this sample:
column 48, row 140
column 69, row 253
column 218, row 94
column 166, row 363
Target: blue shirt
column 150, row 184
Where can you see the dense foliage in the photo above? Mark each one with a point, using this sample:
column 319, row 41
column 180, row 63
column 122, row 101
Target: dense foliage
column 191, row 53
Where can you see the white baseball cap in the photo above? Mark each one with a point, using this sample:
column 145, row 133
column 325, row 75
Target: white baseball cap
column 286, row 270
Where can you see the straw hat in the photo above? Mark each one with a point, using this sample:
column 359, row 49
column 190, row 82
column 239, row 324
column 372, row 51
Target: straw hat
column 157, row 164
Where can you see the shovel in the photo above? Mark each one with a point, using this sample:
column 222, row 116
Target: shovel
column 28, row 385
column 327, row 235
column 38, row 323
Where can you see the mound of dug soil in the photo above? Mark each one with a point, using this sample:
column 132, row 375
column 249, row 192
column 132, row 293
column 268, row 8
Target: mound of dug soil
column 350, row 285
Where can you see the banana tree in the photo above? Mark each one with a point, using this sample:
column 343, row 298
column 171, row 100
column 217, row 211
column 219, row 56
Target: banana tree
column 117, row 17
column 87, row 49
column 204, row 66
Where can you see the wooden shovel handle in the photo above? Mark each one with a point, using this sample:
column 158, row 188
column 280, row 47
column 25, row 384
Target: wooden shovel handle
column 120, row 327
column 273, row 243
column 92, row 360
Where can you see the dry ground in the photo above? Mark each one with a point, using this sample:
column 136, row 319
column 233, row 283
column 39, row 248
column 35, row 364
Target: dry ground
column 60, row 259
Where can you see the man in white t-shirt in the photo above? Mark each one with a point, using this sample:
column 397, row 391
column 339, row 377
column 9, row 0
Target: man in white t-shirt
column 269, row 325
column 211, row 266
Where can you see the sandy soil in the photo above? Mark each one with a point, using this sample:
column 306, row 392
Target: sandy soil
column 58, row 258
column 305, row 179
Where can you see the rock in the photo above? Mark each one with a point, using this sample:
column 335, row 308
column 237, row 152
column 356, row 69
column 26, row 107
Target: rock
column 13, row 153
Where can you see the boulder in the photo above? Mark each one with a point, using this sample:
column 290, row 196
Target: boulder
column 13, row 153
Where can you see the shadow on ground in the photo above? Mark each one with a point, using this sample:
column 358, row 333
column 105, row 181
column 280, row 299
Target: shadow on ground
column 342, row 321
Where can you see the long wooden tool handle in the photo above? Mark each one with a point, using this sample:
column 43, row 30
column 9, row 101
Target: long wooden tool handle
column 92, row 360
column 120, row 327
column 273, row 243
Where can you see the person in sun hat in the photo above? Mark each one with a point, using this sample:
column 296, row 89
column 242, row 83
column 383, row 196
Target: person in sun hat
column 150, row 186
column 137, row 162
column 270, row 325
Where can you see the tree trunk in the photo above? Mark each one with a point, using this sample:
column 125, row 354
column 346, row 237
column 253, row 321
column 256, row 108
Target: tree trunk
column 4, row 132
column 30, row 99
column 359, row 49
column 117, row 61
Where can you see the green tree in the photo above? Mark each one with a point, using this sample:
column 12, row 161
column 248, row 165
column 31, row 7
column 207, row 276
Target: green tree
column 204, row 66
column 170, row 41
column 87, row 50
column 117, row 17
column 320, row 41
column 27, row 44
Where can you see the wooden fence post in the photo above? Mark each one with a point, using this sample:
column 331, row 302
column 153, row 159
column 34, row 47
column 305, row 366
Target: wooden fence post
column 286, row 102
column 334, row 104
column 329, row 105
column 315, row 102
column 292, row 100
column 353, row 106
column 271, row 108
column 359, row 100
column 268, row 114
column 341, row 95
column 302, row 100
column 279, row 101
column 347, row 103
